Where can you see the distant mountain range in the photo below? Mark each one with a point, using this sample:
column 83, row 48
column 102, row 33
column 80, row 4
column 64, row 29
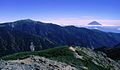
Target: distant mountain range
column 17, row 36
column 94, row 23
column 98, row 26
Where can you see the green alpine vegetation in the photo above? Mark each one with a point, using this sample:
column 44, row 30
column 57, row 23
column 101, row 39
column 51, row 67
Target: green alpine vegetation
column 79, row 57
column 17, row 36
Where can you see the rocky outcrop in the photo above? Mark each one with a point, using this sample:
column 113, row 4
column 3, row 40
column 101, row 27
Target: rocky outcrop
column 70, row 58
column 34, row 63
column 97, row 58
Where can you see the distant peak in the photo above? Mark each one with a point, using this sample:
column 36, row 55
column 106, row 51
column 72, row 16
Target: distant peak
column 28, row 20
column 94, row 23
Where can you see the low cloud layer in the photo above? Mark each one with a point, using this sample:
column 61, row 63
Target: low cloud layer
column 82, row 22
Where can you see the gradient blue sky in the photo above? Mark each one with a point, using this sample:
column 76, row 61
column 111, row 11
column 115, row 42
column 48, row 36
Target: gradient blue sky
column 63, row 12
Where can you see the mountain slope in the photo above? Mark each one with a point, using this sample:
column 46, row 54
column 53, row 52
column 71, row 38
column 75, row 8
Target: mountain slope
column 68, row 35
column 12, row 41
column 113, row 53
column 35, row 63
column 17, row 36
column 80, row 58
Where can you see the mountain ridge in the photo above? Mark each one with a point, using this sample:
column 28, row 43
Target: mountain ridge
column 78, row 57
column 52, row 35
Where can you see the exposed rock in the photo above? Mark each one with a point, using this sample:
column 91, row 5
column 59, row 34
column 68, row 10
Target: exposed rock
column 75, row 53
column 77, row 58
column 99, row 58
column 34, row 63
column 72, row 49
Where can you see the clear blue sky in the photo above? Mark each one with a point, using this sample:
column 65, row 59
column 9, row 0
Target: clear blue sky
column 61, row 11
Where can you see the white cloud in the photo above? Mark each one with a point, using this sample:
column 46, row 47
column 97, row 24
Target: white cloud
column 82, row 22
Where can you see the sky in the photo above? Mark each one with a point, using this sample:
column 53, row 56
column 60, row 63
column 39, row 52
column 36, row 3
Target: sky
column 62, row 12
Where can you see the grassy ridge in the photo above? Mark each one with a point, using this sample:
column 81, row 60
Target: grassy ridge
column 62, row 54
column 49, row 53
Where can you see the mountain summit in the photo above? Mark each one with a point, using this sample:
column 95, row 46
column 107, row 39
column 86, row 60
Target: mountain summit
column 17, row 36
column 94, row 23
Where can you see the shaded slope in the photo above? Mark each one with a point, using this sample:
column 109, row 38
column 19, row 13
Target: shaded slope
column 68, row 35
column 113, row 53
column 12, row 41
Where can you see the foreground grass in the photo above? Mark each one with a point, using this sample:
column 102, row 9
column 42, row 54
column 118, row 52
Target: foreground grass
column 49, row 53
column 62, row 54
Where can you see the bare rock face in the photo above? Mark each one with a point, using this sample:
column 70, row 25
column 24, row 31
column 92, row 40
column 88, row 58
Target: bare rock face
column 34, row 63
